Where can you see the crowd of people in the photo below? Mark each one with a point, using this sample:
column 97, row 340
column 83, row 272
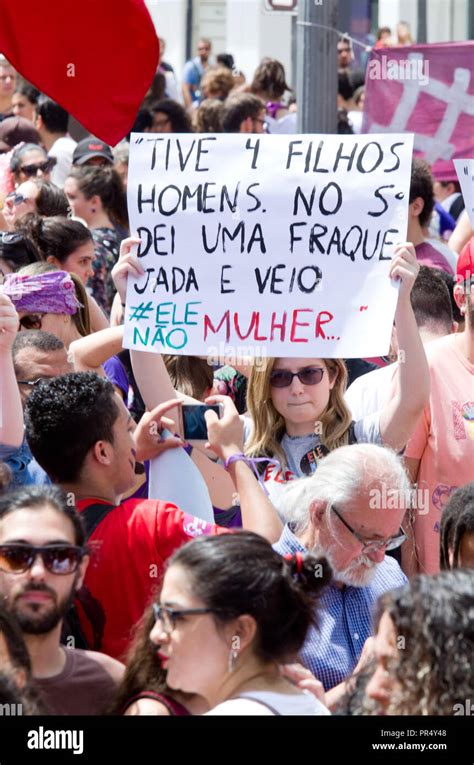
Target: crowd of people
column 329, row 570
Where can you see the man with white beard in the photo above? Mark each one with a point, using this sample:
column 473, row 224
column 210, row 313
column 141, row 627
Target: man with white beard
column 335, row 513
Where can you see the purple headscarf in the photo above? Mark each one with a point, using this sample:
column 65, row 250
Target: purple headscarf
column 51, row 292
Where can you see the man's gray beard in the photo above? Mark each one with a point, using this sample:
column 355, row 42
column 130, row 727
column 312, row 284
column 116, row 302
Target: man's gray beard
column 349, row 575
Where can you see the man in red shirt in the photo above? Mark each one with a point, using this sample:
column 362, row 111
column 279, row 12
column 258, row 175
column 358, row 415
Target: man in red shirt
column 82, row 435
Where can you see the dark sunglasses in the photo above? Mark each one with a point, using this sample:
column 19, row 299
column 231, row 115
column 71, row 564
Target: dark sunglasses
column 282, row 378
column 16, row 199
column 58, row 559
column 32, row 321
column 12, row 237
column 45, row 167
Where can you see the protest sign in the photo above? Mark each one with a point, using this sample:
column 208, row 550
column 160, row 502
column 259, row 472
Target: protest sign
column 265, row 245
column 465, row 171
column 175, row 478
column 427, row 90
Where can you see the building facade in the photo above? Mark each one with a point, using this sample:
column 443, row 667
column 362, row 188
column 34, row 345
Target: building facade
column 250, row 30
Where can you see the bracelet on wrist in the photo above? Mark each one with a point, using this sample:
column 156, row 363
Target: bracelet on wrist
column 251, row 462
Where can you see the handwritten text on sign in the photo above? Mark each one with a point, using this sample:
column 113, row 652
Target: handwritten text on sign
column 279, row 245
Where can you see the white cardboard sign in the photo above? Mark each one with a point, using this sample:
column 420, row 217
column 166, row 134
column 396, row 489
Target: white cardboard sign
column 270, row 245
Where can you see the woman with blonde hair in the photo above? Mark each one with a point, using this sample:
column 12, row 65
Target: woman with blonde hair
column 297, row 408
column 217, row 82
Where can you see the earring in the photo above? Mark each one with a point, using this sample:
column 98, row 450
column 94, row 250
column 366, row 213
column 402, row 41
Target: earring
column 233, row 655
column 66, row 319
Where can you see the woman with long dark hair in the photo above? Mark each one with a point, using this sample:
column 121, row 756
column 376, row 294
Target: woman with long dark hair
column 231, row 611
column 96, row 195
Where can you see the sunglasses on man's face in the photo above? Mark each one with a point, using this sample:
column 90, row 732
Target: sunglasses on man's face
column 16, row 199
column 58, row 559
column 31, row 321
column 282, row 378
column 45, row 167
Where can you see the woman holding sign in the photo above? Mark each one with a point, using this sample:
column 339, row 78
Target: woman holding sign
column 297, row 407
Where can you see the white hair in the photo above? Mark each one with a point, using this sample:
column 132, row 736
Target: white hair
column 341, row 476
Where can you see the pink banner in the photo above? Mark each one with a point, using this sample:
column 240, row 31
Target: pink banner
column 427, row 90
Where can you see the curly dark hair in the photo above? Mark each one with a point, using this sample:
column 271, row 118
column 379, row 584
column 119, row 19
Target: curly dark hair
column 457, row 519
column 65, row 417
column 177, row 114
column 433, row 618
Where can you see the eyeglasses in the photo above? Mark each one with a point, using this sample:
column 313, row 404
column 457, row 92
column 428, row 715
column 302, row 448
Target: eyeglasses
column 32, row 383
column 373, row 545
column 45, row 167
column 169, row 616
column 282, row 378
column 58, row 559
column 15, row 199
column 31, row 321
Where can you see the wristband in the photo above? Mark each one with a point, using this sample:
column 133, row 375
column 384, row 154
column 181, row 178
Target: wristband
column 251, row 462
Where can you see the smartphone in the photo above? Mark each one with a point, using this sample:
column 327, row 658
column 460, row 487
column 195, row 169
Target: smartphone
column 194, row 422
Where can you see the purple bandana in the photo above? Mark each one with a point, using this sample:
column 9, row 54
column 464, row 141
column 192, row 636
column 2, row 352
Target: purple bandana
column 51, row 292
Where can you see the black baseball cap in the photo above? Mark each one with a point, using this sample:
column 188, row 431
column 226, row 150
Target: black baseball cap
column 89, row 148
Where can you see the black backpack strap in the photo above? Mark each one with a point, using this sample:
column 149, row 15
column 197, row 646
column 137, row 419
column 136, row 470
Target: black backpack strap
column 84, row 602
column 93, row 515
column 352, row 434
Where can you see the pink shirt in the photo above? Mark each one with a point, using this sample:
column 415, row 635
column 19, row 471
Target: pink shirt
column 443, row 441
column 427, row 255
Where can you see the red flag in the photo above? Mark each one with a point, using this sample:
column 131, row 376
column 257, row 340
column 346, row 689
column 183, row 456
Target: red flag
column 427, row 90
column 96, row 58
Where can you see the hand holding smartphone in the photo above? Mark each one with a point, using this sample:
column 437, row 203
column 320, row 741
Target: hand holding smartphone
column 194, row 422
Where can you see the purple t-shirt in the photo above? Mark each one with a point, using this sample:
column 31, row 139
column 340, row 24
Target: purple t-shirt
column 115, row 371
